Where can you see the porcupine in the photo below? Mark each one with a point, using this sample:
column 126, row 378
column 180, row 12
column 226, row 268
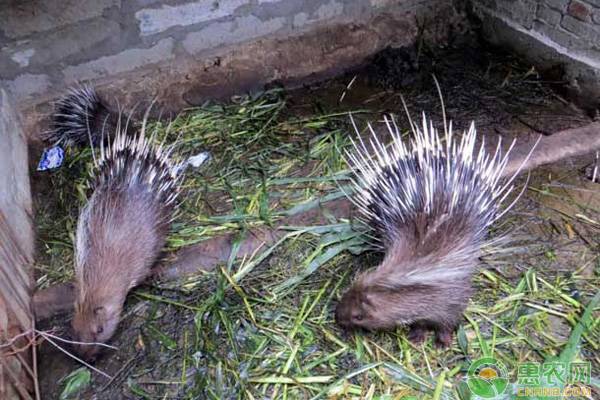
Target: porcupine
column 430, row 203
column 120, row 232
column 81, row 117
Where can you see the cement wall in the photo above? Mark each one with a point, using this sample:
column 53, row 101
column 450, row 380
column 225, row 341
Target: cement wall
column 557, row 35
column 187, row 51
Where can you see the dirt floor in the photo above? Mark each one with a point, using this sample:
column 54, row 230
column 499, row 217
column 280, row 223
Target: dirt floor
column 271, row 333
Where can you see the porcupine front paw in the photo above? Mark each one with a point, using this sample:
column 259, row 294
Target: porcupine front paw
column 443, row 337
column 417, row 333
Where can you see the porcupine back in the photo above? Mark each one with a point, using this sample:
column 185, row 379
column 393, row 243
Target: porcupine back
column 82, row 116
column 431, row 200
column 134, row 193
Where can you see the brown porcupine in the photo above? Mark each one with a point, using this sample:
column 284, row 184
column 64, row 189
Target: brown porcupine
column 430, row 203
column 120, row 232
column 81, row 117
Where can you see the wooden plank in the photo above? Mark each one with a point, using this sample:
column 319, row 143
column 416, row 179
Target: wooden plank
column 18, row 379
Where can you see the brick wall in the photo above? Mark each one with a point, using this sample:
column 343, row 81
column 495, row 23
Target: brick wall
column 552, row 33
column 185, row 51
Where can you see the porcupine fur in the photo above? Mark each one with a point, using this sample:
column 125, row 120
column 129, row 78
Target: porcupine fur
column 430, row 203
column 120, row 232
column 81, row 117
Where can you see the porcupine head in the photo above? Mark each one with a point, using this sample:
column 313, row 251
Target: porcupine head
column 429, row 203
column 120, row 234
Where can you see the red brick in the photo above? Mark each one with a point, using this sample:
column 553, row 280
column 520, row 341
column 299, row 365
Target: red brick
column 579, row 10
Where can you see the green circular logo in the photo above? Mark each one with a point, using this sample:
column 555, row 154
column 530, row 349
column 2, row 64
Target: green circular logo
column 487, row 378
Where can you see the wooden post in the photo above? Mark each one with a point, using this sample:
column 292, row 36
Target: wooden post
column 18, row 377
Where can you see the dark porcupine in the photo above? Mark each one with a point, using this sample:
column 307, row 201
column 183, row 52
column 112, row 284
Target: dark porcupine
column 121, row 232
column 430, row 203
column 83, row 116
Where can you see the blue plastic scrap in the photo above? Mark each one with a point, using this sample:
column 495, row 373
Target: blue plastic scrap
column 51, row 158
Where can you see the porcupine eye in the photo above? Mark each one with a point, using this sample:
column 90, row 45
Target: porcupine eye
column 357, row 317
column 99, row 330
